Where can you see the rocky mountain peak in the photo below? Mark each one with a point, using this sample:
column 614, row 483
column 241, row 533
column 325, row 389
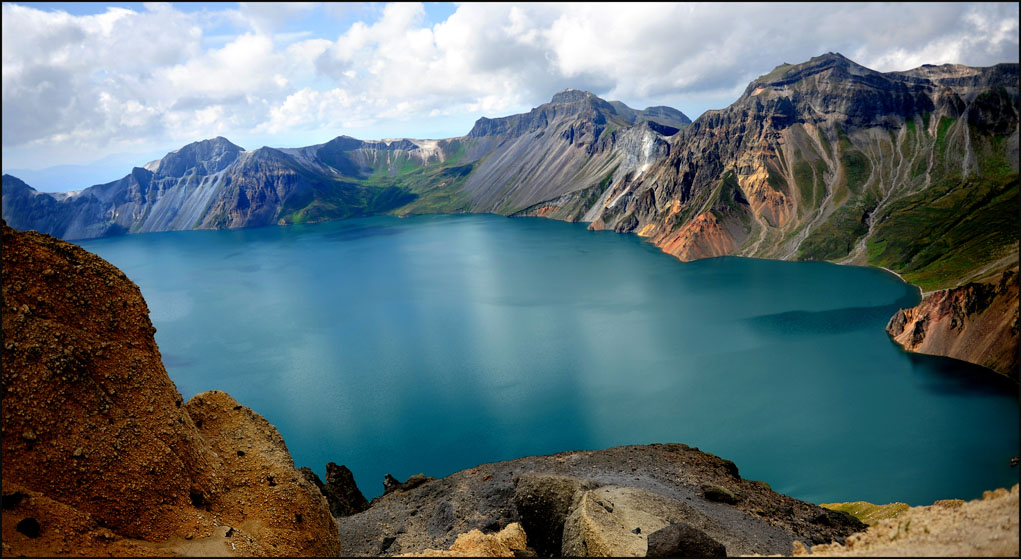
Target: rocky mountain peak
column 829, row 64
column 204, row 157
column 831, row 87
column 583, row 100
column 666, row 115
column 570, row 104
column 343, row 143
column 572, row 96
column 11, row 181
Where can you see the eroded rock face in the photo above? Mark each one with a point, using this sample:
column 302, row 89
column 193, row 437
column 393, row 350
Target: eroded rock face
column 977, row 322
column 544, row 502
column 97, row 439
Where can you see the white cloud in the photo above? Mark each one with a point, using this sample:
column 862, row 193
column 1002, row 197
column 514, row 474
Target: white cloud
column 266, row 17
column 86, row 86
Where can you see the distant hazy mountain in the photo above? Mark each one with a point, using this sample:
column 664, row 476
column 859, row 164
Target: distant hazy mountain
column 61, row 178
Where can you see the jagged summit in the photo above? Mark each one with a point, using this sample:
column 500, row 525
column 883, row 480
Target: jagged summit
column 572, row 96
column 787, row 74
column 205, row 156
column 573, row 104
column 666, row 115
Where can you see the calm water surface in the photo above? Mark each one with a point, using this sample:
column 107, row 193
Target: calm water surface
column 436, row 343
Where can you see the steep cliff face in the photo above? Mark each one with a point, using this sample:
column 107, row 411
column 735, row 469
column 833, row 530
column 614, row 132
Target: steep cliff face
column 573, row 145
column 977, row 322
column 100, row 453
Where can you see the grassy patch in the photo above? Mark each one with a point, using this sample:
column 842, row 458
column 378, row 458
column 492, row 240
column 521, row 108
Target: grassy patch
column 867, row 512
column 804, row 178
column 920, row 167
column 910, row 133
column 938, row 236
column 728, row 197
column 774, row 179
column 776, row 73
column 324, row 200
column 942, row 135
column 992, row 157
column 438, row 189
column 835, row 237
column 856, row 169
column 609, row 177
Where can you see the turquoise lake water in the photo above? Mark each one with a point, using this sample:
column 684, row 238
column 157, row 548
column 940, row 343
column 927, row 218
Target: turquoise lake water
column 436, row 343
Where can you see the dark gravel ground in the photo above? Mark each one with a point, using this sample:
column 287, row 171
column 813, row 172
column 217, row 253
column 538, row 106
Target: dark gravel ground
column 744, row 515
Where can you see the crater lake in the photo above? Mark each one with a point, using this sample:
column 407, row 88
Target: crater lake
column 435, row 343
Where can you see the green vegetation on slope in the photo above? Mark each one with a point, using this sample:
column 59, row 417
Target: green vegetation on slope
column 728, row 197
column 338, row 199
column 395, row 182
column 837, row 235
column 936, row 237
column 856, row 169
column 438, row 190
column 809, row 178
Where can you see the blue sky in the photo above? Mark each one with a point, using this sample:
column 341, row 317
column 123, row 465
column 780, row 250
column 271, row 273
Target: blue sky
column 90, row 89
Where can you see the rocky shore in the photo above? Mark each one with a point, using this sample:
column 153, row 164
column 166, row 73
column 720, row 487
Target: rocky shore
column 977, row 322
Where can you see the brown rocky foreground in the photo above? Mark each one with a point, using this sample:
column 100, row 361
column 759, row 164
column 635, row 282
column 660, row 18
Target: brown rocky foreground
column 101, row 455
column 986, row 527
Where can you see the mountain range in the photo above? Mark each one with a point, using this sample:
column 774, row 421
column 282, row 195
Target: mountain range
column 502, row 165
column 915, row 171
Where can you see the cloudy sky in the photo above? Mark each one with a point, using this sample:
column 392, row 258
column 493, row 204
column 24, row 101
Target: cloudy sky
column 115, row 84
